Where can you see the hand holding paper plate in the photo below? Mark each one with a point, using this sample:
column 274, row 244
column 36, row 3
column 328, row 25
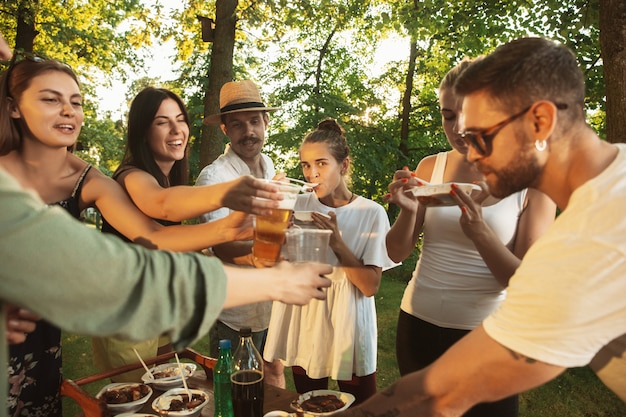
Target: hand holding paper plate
column 439, row 194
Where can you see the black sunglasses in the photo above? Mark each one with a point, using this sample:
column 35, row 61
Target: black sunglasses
column 482, row 139
column 20, row 55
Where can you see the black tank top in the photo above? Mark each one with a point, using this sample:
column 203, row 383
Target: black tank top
column 106, row 226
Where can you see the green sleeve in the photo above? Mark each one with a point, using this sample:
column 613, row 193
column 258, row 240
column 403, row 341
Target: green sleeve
column 93, row 284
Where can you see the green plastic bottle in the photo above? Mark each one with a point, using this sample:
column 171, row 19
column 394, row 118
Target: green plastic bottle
column 221, row 381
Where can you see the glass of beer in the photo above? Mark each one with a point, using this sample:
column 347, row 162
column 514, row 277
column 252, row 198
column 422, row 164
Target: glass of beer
column 269, row 230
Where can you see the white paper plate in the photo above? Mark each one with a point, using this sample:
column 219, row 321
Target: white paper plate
column 278, row 413
column 303, row 216
column 163, row 401
column 439, row 194
column 307, row 216
column 175, row 381
column 347, row 398
column 136, row 415
column 128, row 407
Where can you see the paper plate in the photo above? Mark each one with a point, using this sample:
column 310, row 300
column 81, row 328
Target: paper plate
column 127, row 407
column 173, row 379
column 439, row 194
column 347, row 399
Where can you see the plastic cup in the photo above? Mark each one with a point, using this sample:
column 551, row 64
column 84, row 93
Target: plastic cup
column 307, row 245
column 269, row 230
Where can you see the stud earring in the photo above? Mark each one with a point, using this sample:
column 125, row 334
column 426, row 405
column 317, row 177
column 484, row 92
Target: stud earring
column 541, row 145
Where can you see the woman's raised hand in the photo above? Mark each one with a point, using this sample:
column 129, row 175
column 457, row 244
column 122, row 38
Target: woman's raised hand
column 251, row 195
column 239, row 226
column 403, row 180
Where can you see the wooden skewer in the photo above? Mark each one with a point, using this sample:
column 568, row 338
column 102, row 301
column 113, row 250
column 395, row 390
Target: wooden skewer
column 144, row 364
column 306, row 186
column 183, row 374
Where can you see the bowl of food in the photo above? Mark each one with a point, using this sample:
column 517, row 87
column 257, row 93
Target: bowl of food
column 322, row 402
column 176, row 402
column 125, row 397
column 168, row 375
column 439, row 194
column 277, row 413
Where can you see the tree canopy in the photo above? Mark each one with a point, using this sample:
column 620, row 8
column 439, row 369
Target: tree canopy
column 312, row 58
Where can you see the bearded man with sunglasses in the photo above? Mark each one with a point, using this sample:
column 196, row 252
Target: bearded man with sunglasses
column 524, row 122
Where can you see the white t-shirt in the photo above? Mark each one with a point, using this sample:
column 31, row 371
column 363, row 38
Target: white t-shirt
column 227, row 167
column 335, row 337
column 567, row 299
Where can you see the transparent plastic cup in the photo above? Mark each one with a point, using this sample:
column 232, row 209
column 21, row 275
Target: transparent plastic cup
column 307, row 245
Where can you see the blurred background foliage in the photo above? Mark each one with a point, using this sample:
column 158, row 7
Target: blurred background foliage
column 312, row 58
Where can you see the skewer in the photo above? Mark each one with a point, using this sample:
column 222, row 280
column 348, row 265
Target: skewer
column 307, row 186
column 144, row 364
column 183, row 374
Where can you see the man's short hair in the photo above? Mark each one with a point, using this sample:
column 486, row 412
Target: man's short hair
column 526, row 70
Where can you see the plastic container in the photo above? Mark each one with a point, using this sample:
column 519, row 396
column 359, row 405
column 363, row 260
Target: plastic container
column 221, row 381
column 247, row 377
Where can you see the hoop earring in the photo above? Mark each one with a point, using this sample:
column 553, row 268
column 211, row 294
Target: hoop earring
column 541, row 145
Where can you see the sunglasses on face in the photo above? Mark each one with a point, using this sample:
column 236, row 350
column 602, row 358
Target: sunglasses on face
column 482, row 139
column 20, row 55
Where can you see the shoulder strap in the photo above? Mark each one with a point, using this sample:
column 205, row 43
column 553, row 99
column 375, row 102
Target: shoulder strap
column 440, row 166
column 81, row 179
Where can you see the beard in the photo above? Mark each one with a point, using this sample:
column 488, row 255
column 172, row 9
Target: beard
column 523, row 172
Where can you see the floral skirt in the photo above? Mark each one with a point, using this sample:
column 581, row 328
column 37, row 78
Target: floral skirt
column 35, row 373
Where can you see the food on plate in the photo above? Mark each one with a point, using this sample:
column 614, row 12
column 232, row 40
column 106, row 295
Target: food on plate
column 181, row 402
column 168, row 375
column 176, row 402
column 170, row 371
column 322, row 403
column 125, row 393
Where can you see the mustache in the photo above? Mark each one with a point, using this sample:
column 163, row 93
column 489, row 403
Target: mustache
column 249, row 139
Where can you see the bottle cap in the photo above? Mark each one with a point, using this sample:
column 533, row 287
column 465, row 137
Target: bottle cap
column 225, row 344
column 245, row 331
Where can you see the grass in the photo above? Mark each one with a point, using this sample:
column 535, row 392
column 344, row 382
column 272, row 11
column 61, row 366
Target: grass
column 576, row 393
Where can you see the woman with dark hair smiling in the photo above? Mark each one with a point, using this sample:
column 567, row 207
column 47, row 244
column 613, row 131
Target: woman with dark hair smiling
column 154, row 170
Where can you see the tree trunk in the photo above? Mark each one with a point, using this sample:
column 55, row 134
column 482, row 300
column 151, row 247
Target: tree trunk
column 25, row 31
column 220, row 72
column 613, row 47
column 406, row 102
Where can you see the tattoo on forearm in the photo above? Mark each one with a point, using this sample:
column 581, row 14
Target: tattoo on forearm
column 518, row 356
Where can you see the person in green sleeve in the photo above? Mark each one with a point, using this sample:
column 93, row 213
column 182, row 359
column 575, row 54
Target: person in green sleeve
column 97, row 285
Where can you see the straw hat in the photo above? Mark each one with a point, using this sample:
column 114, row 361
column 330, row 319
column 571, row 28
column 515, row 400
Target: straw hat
column 235, row 97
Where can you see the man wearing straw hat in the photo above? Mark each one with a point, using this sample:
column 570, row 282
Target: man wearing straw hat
column 244, row 119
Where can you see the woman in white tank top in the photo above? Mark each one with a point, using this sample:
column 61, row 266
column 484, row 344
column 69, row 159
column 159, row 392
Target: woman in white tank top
column 469, row 251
